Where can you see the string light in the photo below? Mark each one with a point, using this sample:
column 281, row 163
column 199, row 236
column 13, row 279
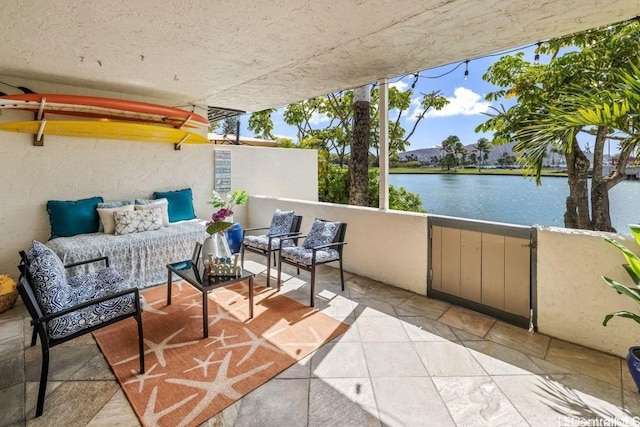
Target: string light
column 536, row 59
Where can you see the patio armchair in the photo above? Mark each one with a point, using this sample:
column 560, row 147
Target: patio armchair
column 283, row 224
column 323, row 244
column 63, row 308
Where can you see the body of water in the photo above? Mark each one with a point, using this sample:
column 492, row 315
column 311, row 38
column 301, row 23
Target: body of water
column 511, row 199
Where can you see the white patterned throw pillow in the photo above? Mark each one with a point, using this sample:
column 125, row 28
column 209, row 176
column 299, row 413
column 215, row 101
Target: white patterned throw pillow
column 137, row 221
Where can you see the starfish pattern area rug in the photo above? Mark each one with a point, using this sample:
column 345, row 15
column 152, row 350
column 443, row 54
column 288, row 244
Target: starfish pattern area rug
column 189, row 378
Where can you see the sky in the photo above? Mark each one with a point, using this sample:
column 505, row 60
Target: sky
column 460, row 117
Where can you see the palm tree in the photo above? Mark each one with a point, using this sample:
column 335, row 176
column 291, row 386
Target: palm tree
column 483, row 146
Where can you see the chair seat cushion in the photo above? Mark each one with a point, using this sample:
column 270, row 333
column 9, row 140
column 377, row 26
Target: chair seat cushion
column 88, row 287
column 262, row 242
column 96, row 285
column 303, row 255
column 96, row 314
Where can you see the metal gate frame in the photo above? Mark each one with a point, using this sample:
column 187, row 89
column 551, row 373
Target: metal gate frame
column 501, row 229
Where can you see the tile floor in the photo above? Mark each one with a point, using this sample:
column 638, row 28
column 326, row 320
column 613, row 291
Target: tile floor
column 406, row 361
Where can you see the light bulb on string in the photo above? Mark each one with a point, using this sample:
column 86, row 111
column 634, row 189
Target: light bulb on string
column 466, row 70
column 536, row 58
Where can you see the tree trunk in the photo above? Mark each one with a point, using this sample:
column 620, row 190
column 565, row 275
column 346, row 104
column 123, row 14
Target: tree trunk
column 600, row 190
column 577, row 205
column 359, row 162
column 600, row 185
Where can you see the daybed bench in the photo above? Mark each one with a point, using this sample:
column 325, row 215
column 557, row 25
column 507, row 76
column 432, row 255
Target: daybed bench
column 140, row 236
column 140, row 258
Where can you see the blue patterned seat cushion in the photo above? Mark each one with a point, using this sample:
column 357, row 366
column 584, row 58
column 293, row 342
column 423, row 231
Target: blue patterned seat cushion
column 281, row 222
column 321, row 233
column 54, row 292
column 88, row 287
column 49, row 279
column 303, row 255
column 262, row 242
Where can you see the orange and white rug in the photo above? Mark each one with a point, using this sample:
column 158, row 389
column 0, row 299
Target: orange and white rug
column 189, row 378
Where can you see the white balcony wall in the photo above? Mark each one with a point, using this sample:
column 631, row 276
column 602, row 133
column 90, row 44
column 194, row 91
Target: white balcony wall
column 390, row 247
column 572, row 297
column 75, row 168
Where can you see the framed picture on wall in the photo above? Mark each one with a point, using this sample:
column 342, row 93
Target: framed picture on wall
column 222, row 170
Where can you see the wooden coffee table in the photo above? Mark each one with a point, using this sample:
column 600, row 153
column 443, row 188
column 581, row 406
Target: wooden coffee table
column 196, row 277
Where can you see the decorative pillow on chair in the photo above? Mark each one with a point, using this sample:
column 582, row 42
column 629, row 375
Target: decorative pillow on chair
column 180, row 204
column 49, row 279
column 71, row 217
column 281, row 222
column 322, row 233
column 138, row 221
column 142, row 204
column 106, row 217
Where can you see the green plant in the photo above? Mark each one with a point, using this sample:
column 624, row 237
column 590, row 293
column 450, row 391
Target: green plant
column 217, row 222
column 633, row 269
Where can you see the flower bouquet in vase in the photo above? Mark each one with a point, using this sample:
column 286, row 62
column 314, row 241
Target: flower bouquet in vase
column 216, row 245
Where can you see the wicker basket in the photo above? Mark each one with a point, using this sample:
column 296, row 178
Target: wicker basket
column 7, row 301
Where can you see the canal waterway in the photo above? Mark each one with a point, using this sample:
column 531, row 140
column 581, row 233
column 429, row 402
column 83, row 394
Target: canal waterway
column 511, row 199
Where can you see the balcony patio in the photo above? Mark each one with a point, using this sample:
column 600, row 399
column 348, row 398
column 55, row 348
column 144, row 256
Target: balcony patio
column 406, row 360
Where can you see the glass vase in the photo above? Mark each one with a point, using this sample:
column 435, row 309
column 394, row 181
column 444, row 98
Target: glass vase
column 216, row 246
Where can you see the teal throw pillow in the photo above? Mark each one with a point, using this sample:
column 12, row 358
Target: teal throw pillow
column 71, row 217
column 180, row 204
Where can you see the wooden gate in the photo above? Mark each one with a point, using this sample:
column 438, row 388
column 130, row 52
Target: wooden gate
column 485, row 266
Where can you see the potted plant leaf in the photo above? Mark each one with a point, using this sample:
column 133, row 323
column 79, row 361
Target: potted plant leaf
column 633, row 269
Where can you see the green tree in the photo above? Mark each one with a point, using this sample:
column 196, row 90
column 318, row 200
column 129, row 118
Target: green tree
column 483, row 146
column 230, row 125
column 575, row 93
column 334, row 187
column 451, row 146
column 326, row 124
column 261, row 125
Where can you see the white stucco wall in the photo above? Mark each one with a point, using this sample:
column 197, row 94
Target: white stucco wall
column 75, row 168
column 572, row 297
column 390, row 247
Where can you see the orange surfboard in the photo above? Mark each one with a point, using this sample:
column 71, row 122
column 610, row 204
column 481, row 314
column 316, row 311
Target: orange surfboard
column 106, row 108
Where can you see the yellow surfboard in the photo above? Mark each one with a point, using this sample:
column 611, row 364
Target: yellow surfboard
column 105, row 130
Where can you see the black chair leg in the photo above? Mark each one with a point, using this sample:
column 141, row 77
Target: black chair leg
column 34, row 336
column 242, row 256
column 341, row 274
column 140, row 340
column 279, row 271
column 44, row 373
column 269, row 267
column 313, row 283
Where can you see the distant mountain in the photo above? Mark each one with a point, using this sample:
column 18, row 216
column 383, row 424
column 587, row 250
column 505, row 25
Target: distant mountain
column 497, row 151
column 425, row 154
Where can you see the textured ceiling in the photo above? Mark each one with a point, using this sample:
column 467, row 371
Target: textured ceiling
column 255, row 54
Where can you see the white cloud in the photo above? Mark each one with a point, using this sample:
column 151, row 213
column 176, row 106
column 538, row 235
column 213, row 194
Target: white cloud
column 415, row 109
column 400, row 85
column 318, row 118
column 464, row 102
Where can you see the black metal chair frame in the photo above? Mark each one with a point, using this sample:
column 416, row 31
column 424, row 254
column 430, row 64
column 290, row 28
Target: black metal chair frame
column 39, row 320
column 337, row 243
column 293, row 232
